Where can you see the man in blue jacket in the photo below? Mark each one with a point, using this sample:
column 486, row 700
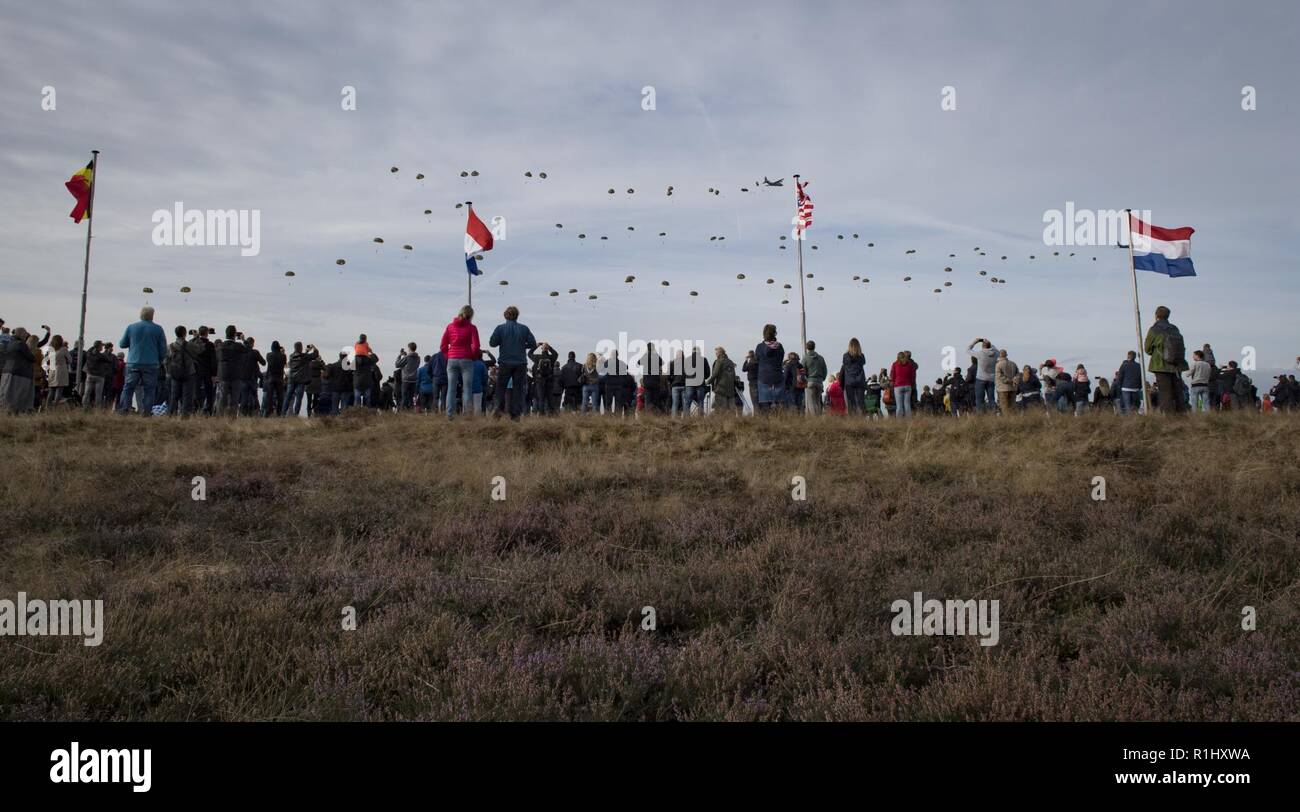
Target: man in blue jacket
column 515, row 341
column 147, row 346
column 1130, row 384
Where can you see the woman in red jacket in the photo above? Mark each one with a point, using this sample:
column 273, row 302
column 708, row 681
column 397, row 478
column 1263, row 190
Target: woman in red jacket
column 461, row 349
column 903, row 376
column 835, row 393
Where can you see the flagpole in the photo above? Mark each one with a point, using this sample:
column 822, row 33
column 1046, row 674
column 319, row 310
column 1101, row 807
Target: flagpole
column 803, row 314
column 85, row 277
column 469, row 277
column 1137, row 319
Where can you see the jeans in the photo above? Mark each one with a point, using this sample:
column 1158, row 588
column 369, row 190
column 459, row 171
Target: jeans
column 680, row 404
column 511, row 396
column 1129, row 400
column 360, row 396
column 903, row 401
column 770, row 395
column 543, row 387
column 460, row 384
column 695, row 394
column 1080, row 406
column 293, row 399
column 182, row 397
column 1200, row 398
column 229, row 395
column 272, row 397
column 983, row 395
column 93, row 390
column 141, row 381
column 204, row 392
column 590, row 397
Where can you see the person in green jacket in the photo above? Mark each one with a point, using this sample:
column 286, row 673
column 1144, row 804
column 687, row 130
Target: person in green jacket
column 722, row 381
column 815, row 365
column 1168, row 361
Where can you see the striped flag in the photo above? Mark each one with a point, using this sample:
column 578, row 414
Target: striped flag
column 803, row 213
column 477, row 238
column 79, row 187
column 1162, row 250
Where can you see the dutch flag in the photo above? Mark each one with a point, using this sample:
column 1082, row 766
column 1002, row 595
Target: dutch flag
column 1163, row 250
column 477, row 240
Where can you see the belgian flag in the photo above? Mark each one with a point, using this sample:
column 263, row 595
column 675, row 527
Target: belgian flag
column 79, row 186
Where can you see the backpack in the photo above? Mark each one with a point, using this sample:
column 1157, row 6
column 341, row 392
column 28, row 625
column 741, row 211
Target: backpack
column 801, row 378
column 1241, row 386
column 1174, row 351
column 545, row 367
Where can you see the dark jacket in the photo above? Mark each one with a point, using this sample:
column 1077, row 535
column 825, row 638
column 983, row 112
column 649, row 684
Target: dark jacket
column 723, row 379
column 1130, row 375
column 275, row 365
column 854, row 369
column 515, row 341
column 18, row 359
column 543, row 361
column 300, row 367
column 438, row 368
column 571, row 374
column 251, row 363
column 770, row 358
column 230, row 359
column 100, row 364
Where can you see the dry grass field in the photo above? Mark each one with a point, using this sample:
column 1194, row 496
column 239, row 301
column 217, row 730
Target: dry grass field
column 767, row 608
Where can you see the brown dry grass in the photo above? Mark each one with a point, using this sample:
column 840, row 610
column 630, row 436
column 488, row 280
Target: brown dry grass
column 767, row 608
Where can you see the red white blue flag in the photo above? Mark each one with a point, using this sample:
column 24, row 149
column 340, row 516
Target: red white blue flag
column 1162, row 250
column 477, row 240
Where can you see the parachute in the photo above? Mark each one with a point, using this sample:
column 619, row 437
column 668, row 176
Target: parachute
column 591, row 296
column 147, row 290
column 185, row 289
column 695, row 293
column 573, row 290
column 664, row 283
column 503, row 283
column 630, row 280
column 419, row 176
column 555, row 293
column 379, row 240
column 290, row 273
column 340, row 262
column 740, row 276
column 408, row 247
column 907, row 279
column 393, row 169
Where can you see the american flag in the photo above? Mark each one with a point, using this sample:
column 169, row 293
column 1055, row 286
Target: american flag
column 803, row 214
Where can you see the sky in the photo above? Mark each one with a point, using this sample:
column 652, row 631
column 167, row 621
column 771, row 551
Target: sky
column 240, row 105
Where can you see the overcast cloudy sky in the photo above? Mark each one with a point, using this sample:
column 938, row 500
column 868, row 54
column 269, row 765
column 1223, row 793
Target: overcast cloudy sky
column 238, row 105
